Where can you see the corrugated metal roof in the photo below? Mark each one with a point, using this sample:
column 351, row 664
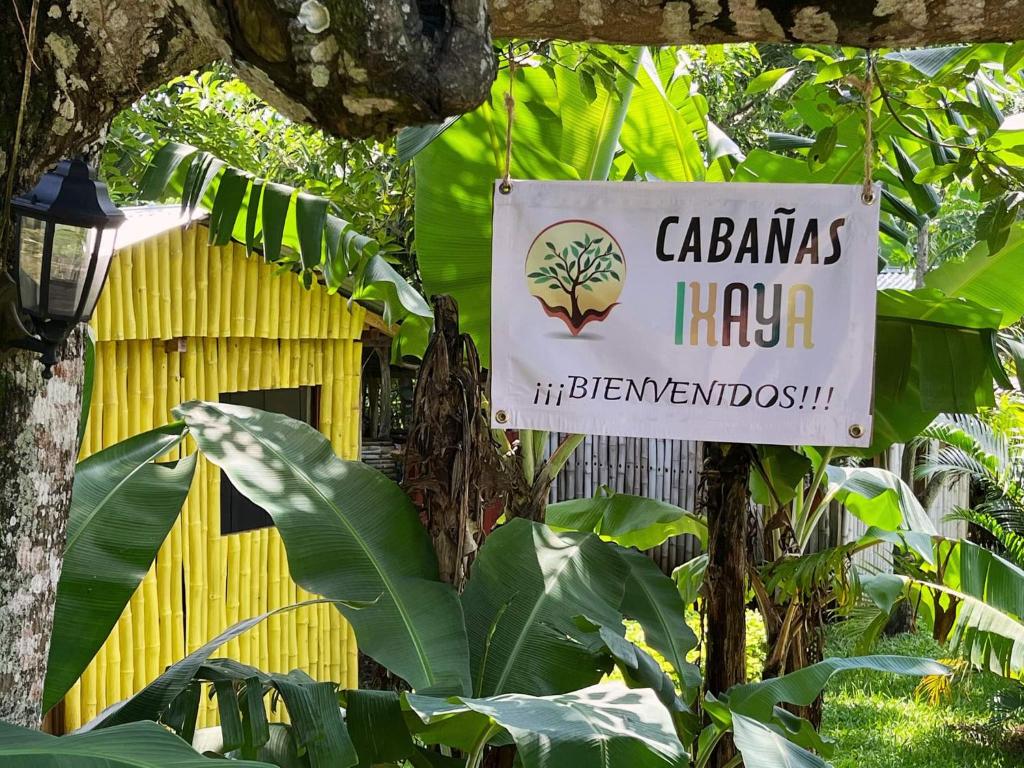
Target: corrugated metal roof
column 145, row 221
column 895, row 278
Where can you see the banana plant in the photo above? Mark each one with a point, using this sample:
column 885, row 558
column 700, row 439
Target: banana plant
column 972, row 598
column 518, row 658
column 796, row 487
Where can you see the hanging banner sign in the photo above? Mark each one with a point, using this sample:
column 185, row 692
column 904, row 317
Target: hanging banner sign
column 726, row 312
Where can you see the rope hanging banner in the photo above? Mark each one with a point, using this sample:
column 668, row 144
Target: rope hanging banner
column 510, row 108
column 868, row 194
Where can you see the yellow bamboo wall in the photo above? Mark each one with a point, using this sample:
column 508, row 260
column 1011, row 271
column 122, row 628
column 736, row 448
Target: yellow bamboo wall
column 180, row 320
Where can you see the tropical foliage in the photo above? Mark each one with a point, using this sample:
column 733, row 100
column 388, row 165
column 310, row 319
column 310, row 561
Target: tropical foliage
column 517, row 658
column 520, row 658
column 306, row 201
column 650, row 122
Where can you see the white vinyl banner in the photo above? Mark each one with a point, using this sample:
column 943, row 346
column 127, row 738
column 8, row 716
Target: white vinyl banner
column 726, row 312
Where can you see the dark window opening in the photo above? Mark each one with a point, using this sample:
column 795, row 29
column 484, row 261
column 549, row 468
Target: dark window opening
column 237, row 513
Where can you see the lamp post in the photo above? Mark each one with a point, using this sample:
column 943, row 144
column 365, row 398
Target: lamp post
column 65, row 230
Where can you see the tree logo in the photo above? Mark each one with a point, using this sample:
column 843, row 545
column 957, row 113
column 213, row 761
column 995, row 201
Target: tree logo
column 576, row 270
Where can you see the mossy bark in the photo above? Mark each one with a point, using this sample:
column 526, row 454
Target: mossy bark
column 38, row 421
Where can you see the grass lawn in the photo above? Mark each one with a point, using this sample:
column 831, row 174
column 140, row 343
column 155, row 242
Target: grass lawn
column 876, row 720
column 877, row 723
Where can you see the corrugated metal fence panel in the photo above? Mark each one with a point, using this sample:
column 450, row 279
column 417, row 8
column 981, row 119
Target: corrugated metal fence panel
column 669, row 470
column 243, row 328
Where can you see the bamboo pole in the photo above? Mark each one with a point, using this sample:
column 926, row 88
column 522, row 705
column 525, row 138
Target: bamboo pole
column 137, row 289
column 235, row 380
column 216, row 257
column 273, row 568
column 264, row 289
column 315, row 303
column 188, row 287
column 236, row 287
column 245, row 592
column 232, row 600
column 151, row 302
column 252, row 289
column 176, row 288
column 254, row 588
column 276, row 282
column 264, row 587
column 225, row 290
column 284, row 329
column 207, row 301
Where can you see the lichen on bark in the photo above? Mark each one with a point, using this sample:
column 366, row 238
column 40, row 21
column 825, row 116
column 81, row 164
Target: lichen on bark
column 38, row 419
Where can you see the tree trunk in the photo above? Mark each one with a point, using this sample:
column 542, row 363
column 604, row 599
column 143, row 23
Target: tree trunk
column 725, row 497
column 668, row 22
column 452, row 467
column 39, row 420
column 79, row 81
column 921, row 250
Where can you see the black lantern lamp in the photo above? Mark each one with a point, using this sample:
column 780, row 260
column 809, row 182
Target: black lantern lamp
column 65, row 230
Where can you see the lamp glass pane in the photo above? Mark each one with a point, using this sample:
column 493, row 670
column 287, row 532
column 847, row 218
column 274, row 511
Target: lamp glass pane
column 30, row 261
column 103, row 259
column 72, row 250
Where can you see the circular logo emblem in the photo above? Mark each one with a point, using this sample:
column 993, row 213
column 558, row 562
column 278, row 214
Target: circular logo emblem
column 576, row 270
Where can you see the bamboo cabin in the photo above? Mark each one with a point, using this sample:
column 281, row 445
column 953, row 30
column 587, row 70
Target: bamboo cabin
column 181, row 320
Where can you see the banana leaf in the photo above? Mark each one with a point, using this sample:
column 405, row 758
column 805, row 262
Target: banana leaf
column 878, row 498
column 351, row 535
column 136, row 745
column 455, row 177
column 764, row 747
column 629, row 521
column 123, row 504
column 607, row 725
column 988, row 629
column 639, row 670
column 317, row 728
column 776, row 474
column 527, row 586
column 758, row 700
column 655, row 135
column 155, row 700
column 280, row 749
column 654, row 601
column 988, row 279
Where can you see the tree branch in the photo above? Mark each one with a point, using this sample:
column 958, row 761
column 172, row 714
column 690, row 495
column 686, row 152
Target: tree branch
column 864, row 25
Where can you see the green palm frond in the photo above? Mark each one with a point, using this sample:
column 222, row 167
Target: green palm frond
column 990, row 453
column 1011, row 542
column 978, row 429
column 865, row 621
